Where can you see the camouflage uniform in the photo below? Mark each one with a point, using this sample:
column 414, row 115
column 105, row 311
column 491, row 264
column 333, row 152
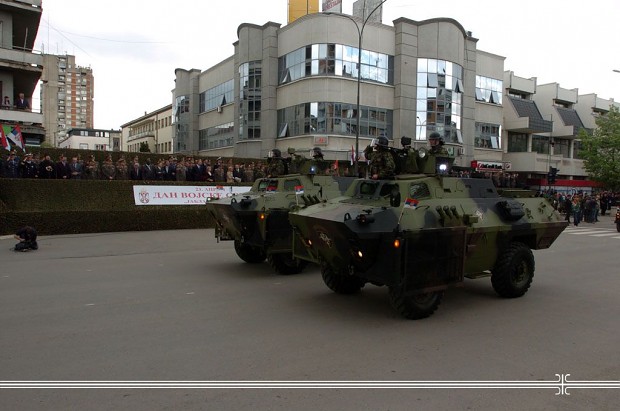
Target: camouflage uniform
column 276, row 167
column 382, row 164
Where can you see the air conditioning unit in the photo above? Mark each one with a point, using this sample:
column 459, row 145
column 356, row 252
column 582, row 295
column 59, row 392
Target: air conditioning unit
column 219, row 109
column 460, row 151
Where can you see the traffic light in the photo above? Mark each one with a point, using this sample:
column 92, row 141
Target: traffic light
column 551, row 176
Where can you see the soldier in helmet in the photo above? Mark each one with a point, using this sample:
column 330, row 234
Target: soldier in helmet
column 276, row 166
column 436, row 143
column 317, row 160
column 381, row 161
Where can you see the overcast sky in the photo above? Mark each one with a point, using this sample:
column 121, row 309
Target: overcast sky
column 134, row 46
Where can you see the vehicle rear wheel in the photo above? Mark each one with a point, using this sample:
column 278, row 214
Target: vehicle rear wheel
column 416, row 306
column 341, row 284
column 514, row 271
column 285, row 263
column 248, row 253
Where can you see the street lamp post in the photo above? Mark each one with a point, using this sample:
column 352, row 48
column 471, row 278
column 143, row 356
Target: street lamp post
column 360, row 32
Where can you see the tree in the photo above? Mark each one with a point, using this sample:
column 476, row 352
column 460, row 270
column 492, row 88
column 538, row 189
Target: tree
column 144, row 147
column 601, row 150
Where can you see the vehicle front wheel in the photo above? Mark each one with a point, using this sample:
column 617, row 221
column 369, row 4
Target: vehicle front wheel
column 514, row 271
column 249, row 254
column 285, row 263
column 341, row 284
column 415, row 306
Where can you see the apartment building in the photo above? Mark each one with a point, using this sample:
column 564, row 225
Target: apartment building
column 91, row 139
column 20, row 69
column 67, row 95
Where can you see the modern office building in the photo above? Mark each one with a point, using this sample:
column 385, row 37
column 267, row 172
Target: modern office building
column 20, row 68
column 154, row 129
column 67, row 96
column 297, row 86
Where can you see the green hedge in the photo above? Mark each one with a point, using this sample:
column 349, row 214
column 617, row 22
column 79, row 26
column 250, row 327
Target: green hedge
column 89, row 206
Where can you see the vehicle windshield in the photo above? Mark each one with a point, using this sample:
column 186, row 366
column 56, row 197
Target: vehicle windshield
column 267, row 184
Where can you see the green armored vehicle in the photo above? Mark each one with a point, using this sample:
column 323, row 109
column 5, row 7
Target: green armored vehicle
column 423, row 232
column 257, row 221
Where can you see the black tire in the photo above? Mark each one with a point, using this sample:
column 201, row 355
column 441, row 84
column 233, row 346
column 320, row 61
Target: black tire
column 249, row 254
column 416, row 306
column 285, row 263
column 514, row 271
column 341, row 284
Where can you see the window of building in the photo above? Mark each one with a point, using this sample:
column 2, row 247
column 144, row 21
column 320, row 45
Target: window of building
column 217, row 96
column 335, row 60
column 216, row 137
column 517, row 143
column 540, row 144
column 561, row 146
column 333, row 118
column 250, row 79
column 577, row 149
column 439, row 99
column 487, row 135
column 489, row 90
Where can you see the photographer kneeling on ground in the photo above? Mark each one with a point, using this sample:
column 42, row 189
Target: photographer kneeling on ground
column 27, row 237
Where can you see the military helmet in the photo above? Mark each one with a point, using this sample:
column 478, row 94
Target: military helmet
column 382, row 142
column 276, row 153
column 317, row 152
column 434, row 136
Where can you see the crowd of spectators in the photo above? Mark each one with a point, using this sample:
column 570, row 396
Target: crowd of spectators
column 187, row 168
column 582, row 207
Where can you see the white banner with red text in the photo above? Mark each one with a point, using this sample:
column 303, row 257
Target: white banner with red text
column 182, row 195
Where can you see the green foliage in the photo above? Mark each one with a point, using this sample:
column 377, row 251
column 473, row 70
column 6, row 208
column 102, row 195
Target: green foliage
column 601, row 150
column 144, row 147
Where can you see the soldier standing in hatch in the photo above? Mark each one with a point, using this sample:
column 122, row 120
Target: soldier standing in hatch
column 276, row 166
column 381, row 161
column 436, row 143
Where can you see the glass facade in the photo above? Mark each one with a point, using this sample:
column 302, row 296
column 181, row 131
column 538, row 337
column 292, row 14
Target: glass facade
column 182, row 119
column 250, row 78
column 216, row 137
column 334, row 118
column 489, row 90
column 487, row 136
column 439, row 99
column 561, row 147
column 217, row 96
column 335, row 60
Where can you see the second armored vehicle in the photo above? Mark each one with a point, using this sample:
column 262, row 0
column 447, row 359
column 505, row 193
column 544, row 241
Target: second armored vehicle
column 257, row 221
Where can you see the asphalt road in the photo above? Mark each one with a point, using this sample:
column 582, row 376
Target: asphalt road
column 177, row 306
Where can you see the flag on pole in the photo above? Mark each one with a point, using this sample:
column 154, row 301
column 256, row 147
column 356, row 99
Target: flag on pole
column 335, row 165
column 352, row 155
column 5, row 141
column 14, row 134
column 299, row 190
column 411, row 203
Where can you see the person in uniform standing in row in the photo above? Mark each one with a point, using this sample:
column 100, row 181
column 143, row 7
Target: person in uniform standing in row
column 382, row 164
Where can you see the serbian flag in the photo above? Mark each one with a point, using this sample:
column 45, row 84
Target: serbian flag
column 411, row 203
column 352, row 155
column 299, row 190
column 14, row 134
column 5, row 141
column 335, row 165
column 271, row 189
